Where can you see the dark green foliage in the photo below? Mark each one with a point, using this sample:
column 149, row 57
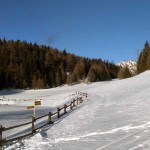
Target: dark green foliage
column 98, row 72
column 27, row 65
column 143, row 63
column 79, row 70
column 91, row 75
column 124, row 73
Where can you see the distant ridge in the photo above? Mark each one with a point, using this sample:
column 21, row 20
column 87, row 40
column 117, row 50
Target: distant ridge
column 131, row 64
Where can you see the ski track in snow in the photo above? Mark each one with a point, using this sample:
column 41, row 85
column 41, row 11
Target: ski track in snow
column 125, row 129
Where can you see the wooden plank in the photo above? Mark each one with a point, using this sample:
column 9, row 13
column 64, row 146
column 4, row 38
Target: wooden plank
column 68, row 105
column 41, row 117
column 50, row 118
column 65, row 107
column 33, row 120
column 61, row 108
column 9, row 128
column 58, row 112
column 71, row 105
column 1, row 140
column 54, row 113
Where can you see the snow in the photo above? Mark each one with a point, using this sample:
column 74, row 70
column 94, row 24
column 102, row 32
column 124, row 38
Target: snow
column 132, row 65
column 115, row 116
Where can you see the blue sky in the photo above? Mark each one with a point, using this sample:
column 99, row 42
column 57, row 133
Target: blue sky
column 113, row 30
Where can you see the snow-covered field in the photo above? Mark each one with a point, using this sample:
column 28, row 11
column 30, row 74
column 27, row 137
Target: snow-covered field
column 115, row 116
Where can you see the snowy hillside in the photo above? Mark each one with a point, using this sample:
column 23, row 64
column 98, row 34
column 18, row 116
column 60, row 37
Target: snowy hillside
column 132, row 65
column 115, row 116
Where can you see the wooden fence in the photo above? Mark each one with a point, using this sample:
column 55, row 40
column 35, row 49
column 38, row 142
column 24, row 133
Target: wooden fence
column 59, row 113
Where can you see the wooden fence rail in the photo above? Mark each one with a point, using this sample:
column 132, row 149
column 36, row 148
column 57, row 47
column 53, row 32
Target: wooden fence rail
column 60, row 111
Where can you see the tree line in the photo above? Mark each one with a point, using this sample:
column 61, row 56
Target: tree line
column 143, row 62
column 29, row 65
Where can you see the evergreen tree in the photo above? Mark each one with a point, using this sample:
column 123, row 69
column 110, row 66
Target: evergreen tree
column 79, row 70
column 124, row 73
column 143, row 63
column 27, row 65
column 58, row 79
column 91, row 75
column 71, row 78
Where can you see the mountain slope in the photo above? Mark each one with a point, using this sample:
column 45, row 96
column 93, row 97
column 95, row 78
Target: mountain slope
column 115, row 116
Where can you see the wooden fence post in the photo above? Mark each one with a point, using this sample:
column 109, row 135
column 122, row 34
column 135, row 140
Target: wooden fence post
column 80, row 99
column 50, row 118
column 77, row 101
column 1, row 139
column 65, row 111
column 58, row 114
column 71, row 105
column 33, row 120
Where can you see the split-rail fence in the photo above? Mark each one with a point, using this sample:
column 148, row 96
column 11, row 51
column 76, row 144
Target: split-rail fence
column 59, row 113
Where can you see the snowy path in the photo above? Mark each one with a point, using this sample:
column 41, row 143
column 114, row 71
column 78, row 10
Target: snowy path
column 115, row 116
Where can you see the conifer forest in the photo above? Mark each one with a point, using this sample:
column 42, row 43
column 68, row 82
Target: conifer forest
column 26, row 65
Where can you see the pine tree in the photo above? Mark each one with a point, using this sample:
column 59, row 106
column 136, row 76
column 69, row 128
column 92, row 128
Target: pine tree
column 143, row 63
column 91, row 75
column 71, row 78
column 79, row 70
column 58, row 79
column 124, row 73
column 27, row 65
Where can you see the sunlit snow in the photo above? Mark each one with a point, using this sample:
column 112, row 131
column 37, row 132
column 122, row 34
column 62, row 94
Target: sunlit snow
column 115, row 116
